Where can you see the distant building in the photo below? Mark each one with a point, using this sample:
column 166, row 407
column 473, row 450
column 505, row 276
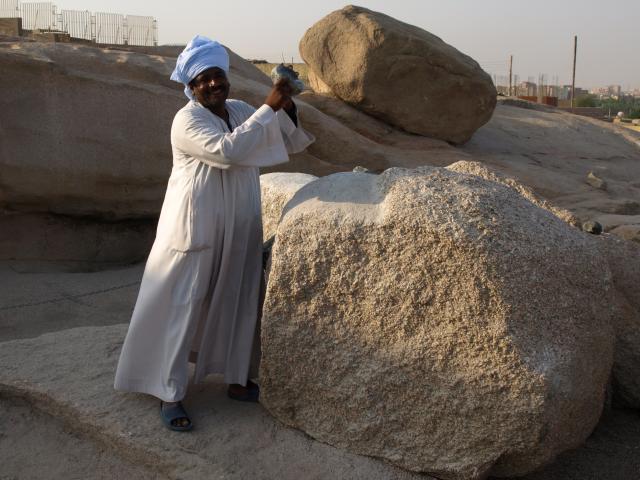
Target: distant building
column 610, row 91
column 614, row 91
column 527, row 89
column 551, row 91
column 600, row 92
column 502, row 90
column 579, row 92
column 565, row 92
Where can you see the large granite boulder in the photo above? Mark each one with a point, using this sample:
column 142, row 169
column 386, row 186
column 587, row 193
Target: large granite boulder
column 437, row 320
column 399, row 73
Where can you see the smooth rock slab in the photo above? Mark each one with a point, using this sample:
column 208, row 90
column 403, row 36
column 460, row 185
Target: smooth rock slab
column 628, row 232
column 437, row 320
column 34, row 445
column 32, row 304
column 69, row 374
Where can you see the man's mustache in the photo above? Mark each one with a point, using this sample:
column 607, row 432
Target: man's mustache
column 218, row 89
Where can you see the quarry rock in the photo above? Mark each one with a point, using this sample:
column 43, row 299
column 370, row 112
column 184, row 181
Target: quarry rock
column 592, row 227
column 399, row 73
column 92, row 155
column 276, row 189
column 437, row 320
column 97, row 144
column 96, row 141
column 69, row 375
column 552, row 153
column 481, row 170
column 623, row 258
column 43, row 241
column 596, row 182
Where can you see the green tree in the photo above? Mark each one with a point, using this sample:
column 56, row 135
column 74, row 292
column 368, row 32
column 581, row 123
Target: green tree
column 586, row 101
column 629, row 105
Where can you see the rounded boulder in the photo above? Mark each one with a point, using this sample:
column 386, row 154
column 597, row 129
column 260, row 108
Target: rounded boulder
column 437, row 320
column 399, row 73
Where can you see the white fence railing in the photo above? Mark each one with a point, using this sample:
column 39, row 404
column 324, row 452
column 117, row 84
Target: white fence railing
column 103, row 28
column 9, row 9
column 140, row 30
column 38, row 16
column 110, row 28
column 77, row 24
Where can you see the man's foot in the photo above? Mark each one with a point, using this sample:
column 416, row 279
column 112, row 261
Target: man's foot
column 175, row 417
column 250, row 393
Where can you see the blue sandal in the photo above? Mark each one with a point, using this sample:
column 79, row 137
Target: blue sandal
column 173, row 413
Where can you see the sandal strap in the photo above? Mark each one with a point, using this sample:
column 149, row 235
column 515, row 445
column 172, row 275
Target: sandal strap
column 173, row 412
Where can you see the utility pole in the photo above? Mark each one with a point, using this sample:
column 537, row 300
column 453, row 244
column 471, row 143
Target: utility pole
column 573, row 81
column 510, row 74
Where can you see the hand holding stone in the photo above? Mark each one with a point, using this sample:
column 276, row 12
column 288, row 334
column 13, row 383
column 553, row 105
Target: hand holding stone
column 280, row 95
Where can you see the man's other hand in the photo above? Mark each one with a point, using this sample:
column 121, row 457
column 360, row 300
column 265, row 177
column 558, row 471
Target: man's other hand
column 280, row 95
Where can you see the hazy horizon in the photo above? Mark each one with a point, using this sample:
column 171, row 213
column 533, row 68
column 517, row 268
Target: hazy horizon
column 539, row 36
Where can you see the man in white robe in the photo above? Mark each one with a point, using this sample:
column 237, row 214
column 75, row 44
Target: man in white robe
column 201, row 285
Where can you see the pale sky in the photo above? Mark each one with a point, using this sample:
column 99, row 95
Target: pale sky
column 538, row 33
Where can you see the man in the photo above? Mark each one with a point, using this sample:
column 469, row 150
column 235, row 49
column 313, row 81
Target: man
column 200, row 288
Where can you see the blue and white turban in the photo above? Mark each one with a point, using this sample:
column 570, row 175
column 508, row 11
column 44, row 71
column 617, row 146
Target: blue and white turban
column 199, row 54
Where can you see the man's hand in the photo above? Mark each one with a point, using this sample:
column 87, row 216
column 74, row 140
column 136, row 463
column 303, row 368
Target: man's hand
column 280, row 95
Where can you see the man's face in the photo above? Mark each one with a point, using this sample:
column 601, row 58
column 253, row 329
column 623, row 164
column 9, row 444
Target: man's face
column 211, row 88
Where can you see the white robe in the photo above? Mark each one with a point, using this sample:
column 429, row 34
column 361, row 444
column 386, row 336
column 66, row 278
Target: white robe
column 200, row 288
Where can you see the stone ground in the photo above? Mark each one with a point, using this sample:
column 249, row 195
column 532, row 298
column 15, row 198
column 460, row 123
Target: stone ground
column 30, row 441
column 59, row 417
